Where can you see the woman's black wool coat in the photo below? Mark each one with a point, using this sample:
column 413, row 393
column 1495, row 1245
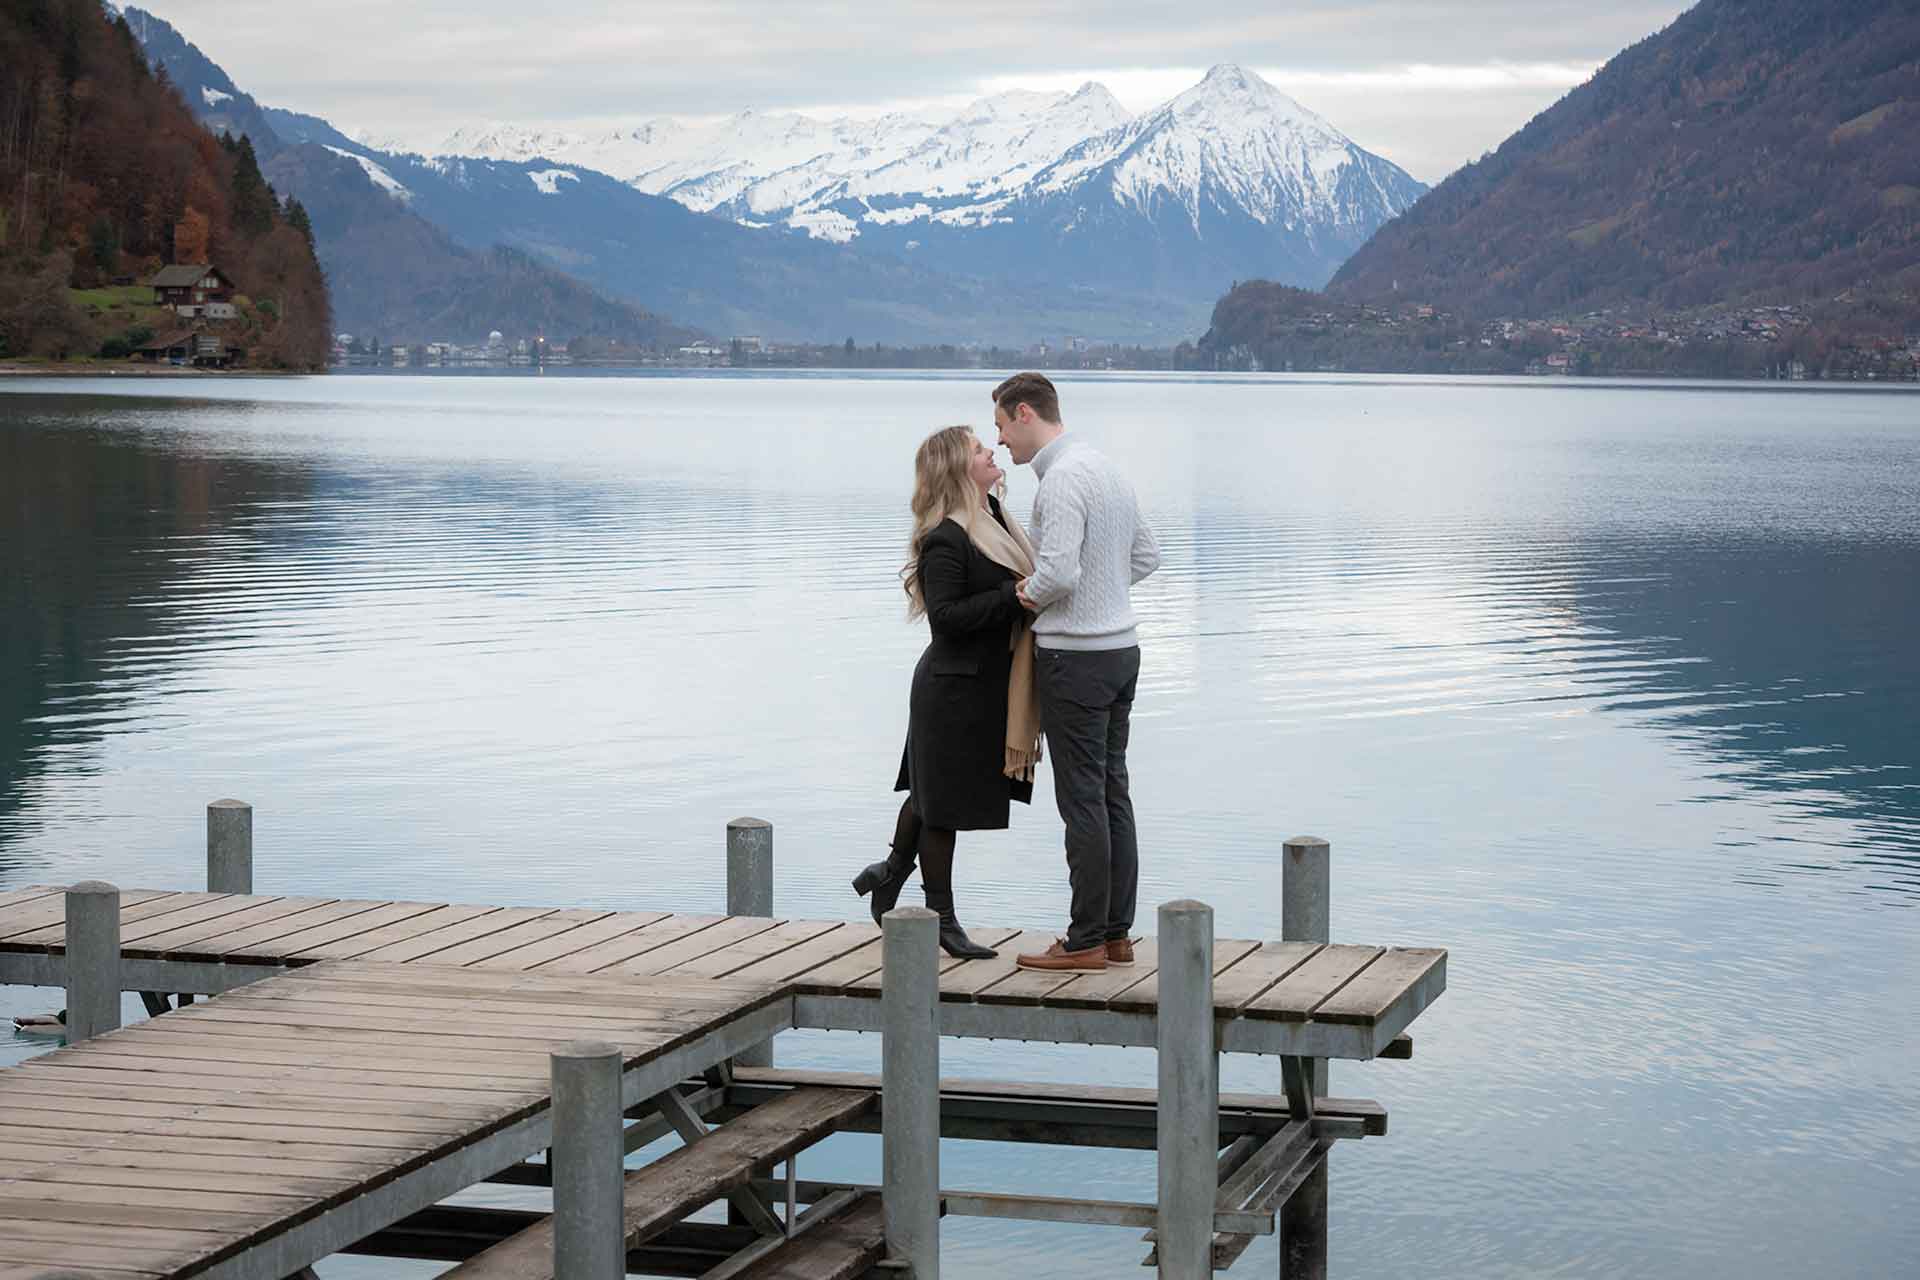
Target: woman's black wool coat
column 957, row 722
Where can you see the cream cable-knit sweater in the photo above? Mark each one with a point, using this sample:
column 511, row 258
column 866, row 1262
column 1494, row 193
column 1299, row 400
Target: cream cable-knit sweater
column 1090, row 547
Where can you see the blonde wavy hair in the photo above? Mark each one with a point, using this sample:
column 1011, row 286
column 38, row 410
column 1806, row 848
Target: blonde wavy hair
column 942, row 487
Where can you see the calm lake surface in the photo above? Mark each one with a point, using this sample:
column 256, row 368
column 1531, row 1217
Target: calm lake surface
column 1610, row 689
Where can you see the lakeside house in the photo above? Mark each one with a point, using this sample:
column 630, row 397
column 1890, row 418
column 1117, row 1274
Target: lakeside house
column 195, row 291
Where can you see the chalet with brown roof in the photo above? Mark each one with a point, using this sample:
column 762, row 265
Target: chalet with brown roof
column 194, row 290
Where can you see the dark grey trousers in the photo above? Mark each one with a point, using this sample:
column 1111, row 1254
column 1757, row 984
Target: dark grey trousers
column 1086, row 701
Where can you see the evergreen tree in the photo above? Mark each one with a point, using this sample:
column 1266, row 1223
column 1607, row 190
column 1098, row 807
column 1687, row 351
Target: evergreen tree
column 252, row 198
column 296, row 214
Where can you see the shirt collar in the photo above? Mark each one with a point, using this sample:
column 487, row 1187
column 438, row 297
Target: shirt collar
column 1051, row 453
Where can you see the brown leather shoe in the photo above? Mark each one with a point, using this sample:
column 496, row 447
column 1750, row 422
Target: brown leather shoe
column 1092, row 959
column 1120, row 951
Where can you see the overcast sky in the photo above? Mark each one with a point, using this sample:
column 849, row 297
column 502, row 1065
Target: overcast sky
column 1430, row 84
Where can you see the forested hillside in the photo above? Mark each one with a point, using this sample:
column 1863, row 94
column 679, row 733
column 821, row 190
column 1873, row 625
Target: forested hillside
column 1755, row 151
column 105, row 176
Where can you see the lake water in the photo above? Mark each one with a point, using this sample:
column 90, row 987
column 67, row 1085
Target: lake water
column 1610, row 689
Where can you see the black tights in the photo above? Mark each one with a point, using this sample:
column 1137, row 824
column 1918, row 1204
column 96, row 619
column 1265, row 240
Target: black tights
column 934, row 845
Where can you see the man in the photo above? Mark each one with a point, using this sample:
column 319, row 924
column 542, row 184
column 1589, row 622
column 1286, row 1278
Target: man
column 1090, row 547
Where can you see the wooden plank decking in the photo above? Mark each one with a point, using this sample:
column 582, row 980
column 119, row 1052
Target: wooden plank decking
column 211, row 1133
column 1335, row 986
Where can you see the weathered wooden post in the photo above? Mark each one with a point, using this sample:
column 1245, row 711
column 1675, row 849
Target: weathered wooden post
column 93, row 960
column 750, row 893
column 910, row 1087
column 589, row 1231
column 229, row 847
column 1188, row 1123
column 1305, row 881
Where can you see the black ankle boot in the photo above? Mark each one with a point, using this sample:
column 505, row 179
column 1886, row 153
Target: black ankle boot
column 953, row 939
column 884, row 880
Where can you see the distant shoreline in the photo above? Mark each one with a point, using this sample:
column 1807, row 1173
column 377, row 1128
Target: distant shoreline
column 15, row 374
column 70, row 369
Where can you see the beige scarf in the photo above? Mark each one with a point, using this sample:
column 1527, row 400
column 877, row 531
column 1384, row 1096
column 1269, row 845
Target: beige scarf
column 1010, row 549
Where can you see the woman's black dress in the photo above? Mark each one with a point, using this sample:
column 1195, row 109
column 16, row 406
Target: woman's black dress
column 957, row 725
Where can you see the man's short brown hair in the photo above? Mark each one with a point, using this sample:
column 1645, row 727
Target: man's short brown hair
column 1035, row 390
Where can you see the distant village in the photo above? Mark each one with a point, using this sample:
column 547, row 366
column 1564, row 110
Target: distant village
column 740, row 352
column 499, row 350
column 1790, row 342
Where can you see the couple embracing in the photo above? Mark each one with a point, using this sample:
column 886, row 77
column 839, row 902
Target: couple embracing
column 1029, row 636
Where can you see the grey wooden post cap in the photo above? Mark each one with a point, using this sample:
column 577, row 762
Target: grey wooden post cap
column 748, row 824
column 93, row 886
column 1304, row 843
column 228, row 804
column 588, row 1049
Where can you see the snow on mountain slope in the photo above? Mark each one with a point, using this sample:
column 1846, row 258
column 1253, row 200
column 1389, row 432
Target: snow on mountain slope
column 379, row 176
column 547, row 181
column 997, row 144
column 1231, row 141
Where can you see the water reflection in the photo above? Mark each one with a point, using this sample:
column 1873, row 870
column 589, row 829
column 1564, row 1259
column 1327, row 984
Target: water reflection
column 1786, row 663
column 96, row 523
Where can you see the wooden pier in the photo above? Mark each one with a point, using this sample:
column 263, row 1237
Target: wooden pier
column 361, row 1061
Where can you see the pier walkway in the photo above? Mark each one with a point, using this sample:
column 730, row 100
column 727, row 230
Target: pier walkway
column 320, row 1075
column 1314, row 999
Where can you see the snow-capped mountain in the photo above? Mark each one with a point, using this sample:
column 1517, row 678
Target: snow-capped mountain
column 758, row 167
column 1237, row 142
column 1248, row 181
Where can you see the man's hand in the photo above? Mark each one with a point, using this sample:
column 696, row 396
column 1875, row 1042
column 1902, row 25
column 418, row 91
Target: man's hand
column 1020, row 593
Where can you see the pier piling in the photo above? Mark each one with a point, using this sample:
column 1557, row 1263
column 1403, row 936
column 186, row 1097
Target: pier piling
column 1189, row 1119
column 1305, row 916
column 93, row 960
column 589, row 1234
column 910, row 1088
column 750, row 893
column 229, row 847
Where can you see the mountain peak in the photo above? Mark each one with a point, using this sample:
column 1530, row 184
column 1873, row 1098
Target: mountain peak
column 1230, row 87
column 1230, row 74
column 1097, row 96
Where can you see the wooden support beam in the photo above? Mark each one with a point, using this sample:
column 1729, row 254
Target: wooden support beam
column 691, row 1128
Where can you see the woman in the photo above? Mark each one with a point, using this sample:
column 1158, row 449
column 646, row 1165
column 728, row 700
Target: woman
column 973, row 729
